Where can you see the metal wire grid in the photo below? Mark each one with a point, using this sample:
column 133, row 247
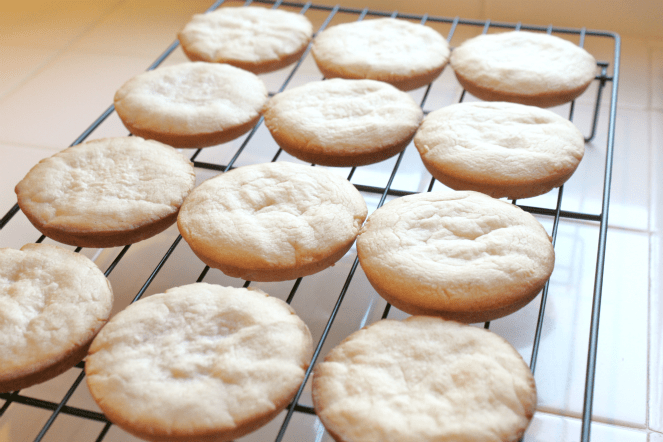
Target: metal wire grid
column 603, row 78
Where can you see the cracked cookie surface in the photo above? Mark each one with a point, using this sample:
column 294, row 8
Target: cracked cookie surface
column 52, row 303
column 272, row 221
column 459, row 255
column 199, row 362
column 500, row 149
column 107, row 192
column 424, row 379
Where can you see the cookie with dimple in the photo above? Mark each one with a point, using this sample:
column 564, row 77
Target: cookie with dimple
column 343, row 122
column 273, row 221
column 52, row 303
column 500, row 149
column 191, row 104
column 523, row 67
column 424, row 379
column 199, row 362
column 252, row 38
column 404, row 54
column 106, row 193
column 459, row 255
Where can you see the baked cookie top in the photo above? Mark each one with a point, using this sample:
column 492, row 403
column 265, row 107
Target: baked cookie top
column 523, row 67
column 191, row 104
column 106, row 192
column 272, row 221
column 343, row 122
column 52, row 303
column 501, row 149
column 252, row 38
column 424, row 379
column 399, row 52
column 460, row 255
column 198, row 362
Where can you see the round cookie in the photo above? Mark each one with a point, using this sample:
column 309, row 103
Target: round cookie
column 191, row 104
column 52, row 303
column 200, row 362
column 106, row 193
column 252, row 38
column 343, row 122
column 404, row 54
column 523, row 67
column 459, row 255
column 272, row 221
column 424, row 379
column 500, row 149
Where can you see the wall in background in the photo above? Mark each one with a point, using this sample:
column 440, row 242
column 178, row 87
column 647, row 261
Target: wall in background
column 641, row 18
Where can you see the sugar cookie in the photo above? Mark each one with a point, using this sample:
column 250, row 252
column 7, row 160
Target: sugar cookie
column 405, row 54
column 52, row 303
column 252, row 38
column 198, row 363
column 500, row 149
column 106, row 193
column 459, row 255
column 523, row 67
column 191, row 104
column 273, row 221
column 343, row 122
column 424, row 379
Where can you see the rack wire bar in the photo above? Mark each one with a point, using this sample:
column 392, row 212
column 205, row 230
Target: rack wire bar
column 47, row 405
column 385, row 191
column 600, row 259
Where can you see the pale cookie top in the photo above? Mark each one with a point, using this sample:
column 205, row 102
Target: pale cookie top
column 344, row 116
column 272, row 215
column 424, row 379
column 198, row 359
column 505, row 143
column 249, row 37
column 523, row 63
column 191, row 98
column 385, row 49
column 107, row 185
column 457, row 250
column 52, row 301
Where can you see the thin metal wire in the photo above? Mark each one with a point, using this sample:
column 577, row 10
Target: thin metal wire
column 103, row 432
column 544, row 294
column 47, row 405
column 600, row 260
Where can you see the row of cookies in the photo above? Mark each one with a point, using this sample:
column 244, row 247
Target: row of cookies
column 521, row 67
column 502, row 149
column 205, row 362
column 281, row 221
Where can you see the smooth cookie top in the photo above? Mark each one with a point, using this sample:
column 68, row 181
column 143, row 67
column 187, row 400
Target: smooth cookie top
column 192, row 104
column 405, row 54
column 523, row 67
column 252, row 38
column 343, row 122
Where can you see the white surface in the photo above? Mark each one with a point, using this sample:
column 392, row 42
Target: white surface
column 77, row 54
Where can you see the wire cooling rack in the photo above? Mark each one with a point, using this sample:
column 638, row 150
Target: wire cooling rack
column 550, row 211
